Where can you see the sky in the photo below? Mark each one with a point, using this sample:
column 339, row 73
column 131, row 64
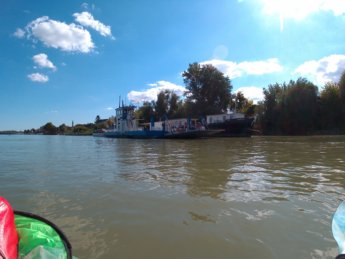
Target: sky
column 64, row 61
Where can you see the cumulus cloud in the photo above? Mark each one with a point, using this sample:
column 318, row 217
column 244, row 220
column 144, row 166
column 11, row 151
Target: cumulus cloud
column 300, row 9
column 59, row 35
column 19, row 33
column 86, row 19
column 151, row 93
column 42, row 61
column 252, row 93
column 323, row 70
column 233, row 69
column 37, row 77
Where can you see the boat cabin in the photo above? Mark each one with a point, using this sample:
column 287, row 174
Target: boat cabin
column 220, row 118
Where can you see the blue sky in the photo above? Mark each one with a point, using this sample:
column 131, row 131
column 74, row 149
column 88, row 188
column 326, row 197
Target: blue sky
column 71, row 60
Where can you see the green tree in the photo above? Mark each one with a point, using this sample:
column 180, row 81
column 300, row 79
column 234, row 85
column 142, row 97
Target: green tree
column 331, row 107
column 240, row 101
column 290, row 108
column 62, row 128
column 341, row 84
column 342, row 87
column 241, row 104
column 86, row 129
column 249, row 109
column 173, row 104
column 208, row 90
column 49, row 129
column 161, row 105
column 300, row 107
column 181, row 110
column 167, row 104
column 145, row 111
column 270, row 116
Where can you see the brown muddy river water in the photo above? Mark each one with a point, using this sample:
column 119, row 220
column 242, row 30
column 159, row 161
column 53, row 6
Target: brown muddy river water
column 259, row 197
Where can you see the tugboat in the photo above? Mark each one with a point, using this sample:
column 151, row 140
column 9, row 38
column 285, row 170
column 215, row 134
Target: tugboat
column 127, row 126
column 232, row 124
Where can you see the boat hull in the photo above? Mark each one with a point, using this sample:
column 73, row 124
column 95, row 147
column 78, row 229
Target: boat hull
column 156, row 134
column 187, row 135
column 137, row 134
column 240, row 127
column 98, row 134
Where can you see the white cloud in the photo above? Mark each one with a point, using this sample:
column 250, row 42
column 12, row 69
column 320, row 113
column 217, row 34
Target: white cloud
column 297, row 9
column 151, row 93
column 19, row 33
column 336, row 6
column 109, row 108
column 86, row 19
column 43, row 61
column 37, row 77
column 59, row 35
column 323, row 70
column 252, row 93
column 261, row 67
column 85, row 6
column 233, row 69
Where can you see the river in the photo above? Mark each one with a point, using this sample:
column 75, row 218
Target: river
column 259, row 197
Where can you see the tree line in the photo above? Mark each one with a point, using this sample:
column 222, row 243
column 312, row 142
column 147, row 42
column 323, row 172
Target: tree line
column 293, row 108
column 298, row 108
column 79, row 129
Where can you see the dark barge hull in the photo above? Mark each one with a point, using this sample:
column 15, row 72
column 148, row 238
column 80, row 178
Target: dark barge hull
column 187, row 135
column 157, row 135
column 241, row 127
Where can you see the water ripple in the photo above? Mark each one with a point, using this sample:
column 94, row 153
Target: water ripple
column 226, row 195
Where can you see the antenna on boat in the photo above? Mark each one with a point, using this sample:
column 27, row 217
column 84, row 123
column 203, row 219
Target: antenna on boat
column 119, row 100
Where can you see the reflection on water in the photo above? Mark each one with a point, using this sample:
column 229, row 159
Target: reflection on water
column 222, row 198
column 238, row 169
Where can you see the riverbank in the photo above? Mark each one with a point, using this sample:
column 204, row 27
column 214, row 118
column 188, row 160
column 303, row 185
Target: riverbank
column 10, row 132
column 254, row 133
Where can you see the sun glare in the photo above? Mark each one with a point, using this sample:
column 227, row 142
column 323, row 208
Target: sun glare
column 290, row 9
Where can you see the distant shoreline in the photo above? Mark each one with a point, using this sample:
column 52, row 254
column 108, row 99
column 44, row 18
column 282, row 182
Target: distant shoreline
column 318, row 133
column 32, row 134
column 10, row 132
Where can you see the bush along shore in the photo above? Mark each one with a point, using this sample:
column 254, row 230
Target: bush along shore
column 75, row 130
